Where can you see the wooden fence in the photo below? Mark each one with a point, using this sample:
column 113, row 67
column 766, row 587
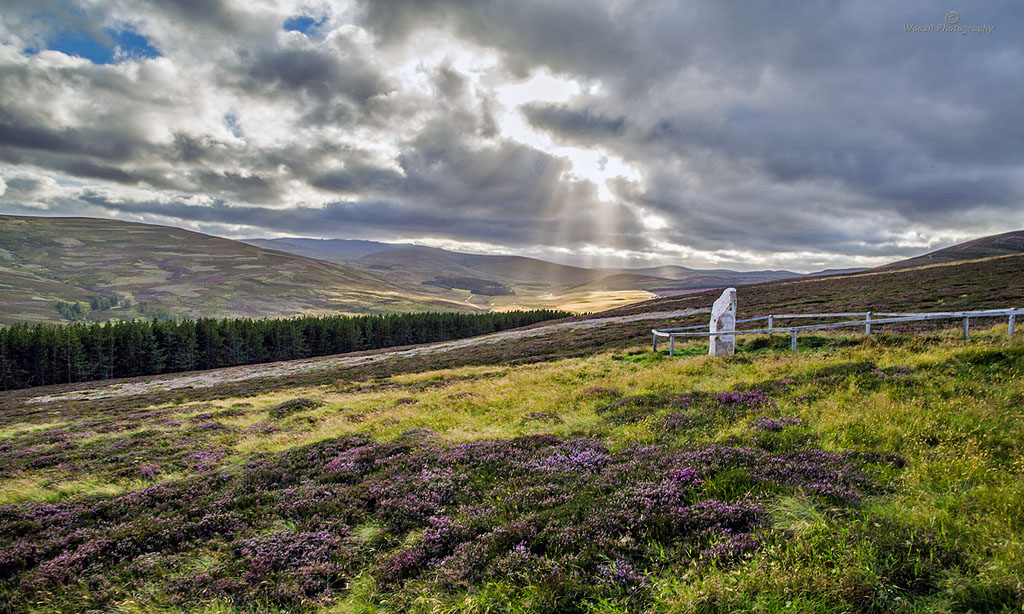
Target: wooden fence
column 870, row 318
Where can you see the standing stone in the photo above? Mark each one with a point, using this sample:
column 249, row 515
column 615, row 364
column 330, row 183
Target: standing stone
column 723, row 318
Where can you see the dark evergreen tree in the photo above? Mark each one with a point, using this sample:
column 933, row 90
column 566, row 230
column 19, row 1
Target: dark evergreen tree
column 40, row 354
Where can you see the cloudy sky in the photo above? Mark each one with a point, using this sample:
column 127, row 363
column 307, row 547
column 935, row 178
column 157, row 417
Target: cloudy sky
column 721, row 133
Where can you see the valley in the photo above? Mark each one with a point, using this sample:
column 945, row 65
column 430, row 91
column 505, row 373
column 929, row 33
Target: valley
column 511, row 307
column 559, row 467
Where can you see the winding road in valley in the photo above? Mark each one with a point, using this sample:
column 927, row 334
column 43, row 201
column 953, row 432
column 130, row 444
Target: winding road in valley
column 213, row 377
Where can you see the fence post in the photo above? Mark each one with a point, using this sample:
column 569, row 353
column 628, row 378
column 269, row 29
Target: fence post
column 771, row 320
column 792, row 341
column 654, row 342
column 671, row 344
column 967, row 329
column 867, row 323
column 1013, row 322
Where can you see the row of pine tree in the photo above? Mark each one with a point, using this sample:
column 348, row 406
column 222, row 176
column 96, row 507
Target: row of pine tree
column 44, row 354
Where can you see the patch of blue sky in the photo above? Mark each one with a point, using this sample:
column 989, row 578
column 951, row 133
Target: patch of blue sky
column 112, row 47
column 231, row 121
column 132, row 45
column 304, row 23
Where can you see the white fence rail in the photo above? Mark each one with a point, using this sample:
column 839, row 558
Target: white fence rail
column 870, row 318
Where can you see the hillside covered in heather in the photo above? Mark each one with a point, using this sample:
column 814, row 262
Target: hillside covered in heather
column 568, row 470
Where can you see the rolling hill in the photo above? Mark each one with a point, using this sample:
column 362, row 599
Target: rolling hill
column 158, row 271
column 534, row 282
column 421, row 262
column 985, row 247
column 991, row 283
column 325, row 249
column 545, row 471
column 68, row 269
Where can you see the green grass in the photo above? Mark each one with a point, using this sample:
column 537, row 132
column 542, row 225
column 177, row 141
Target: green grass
column 944, row 532
column 946, row 535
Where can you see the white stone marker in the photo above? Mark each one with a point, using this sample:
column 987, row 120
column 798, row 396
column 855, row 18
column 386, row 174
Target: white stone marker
column 723, row 318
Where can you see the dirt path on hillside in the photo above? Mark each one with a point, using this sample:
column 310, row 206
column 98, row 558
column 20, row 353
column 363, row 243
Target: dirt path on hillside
column 475, row 306
column 213, row 377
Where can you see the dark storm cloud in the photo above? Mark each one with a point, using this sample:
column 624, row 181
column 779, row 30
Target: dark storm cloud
column 580, row 36
column 359, row 179
column 94, row 155
column 214, row 14
column 583, row 125
column 190, row 148
column 918, row 131
column 317, row 72
column 506, row 177
column 84, row 168
column 885, row 161
column 254, row 187
column 355, row 217
column 101, row 143
column 81, row 167
column 77, row 156
column 766, row 128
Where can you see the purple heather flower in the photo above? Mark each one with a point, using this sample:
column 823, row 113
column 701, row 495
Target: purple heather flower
column 775, row 424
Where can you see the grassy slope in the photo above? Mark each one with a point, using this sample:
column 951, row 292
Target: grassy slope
column 187, row 274
column 983, row 284
column 324, row 249
column 986, row 247
column 987, row 283
column 943, row 533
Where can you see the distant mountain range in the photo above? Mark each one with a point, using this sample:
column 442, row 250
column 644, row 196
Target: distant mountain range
column 419, row 264
column 68, row 269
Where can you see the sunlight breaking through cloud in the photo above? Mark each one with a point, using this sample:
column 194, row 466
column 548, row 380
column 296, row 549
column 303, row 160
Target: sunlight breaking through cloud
column 608, row 133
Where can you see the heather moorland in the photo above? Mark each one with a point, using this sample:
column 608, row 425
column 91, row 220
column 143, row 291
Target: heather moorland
column 876, row 473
